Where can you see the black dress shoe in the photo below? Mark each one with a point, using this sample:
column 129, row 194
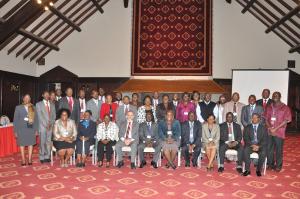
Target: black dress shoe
column 270, row 167
column 167, row 165
column 195, row 164
column 258, row 173
column 173, row 165
column 42, row 161
column 154, row 165
column 278, row 170
column 143, row 163
column 187, row 164
column 47, row 160
column 246, row 173
column 120, row 164
column 221, row 169
column 132, row 165
column 239, row 170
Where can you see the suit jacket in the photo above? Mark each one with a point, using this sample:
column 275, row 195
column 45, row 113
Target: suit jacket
column 215, row 134
column 261, row 102
column 42, row 118
column 228, row 107
column 88, row 132
column 163, row 130
column 143, row 132
column 75, row 114
column 120, row 114
column 161, row 110
column 134, row 131
column 105, row 108
column 262, row 136
column 197, row 133
column 237, row 131
column 94, row 108
column 246, row 117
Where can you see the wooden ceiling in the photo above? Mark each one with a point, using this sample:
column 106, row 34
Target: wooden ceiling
column 33, row 28
column 279, row 16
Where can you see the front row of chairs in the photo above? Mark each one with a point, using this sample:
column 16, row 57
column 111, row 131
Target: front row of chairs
column 127, row 149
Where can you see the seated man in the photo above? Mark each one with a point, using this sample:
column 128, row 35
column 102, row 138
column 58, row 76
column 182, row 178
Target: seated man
column 191, row 139
column 256, row 140
column 129, row 136
column 148, row 132
column 230, row 138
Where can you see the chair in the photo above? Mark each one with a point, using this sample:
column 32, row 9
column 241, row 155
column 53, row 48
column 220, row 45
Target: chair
column 126, row 149
column 202, row 155
column 198, row 159
column 53, row 150
column 255, row 155
column 95, row 153
column 150, row 150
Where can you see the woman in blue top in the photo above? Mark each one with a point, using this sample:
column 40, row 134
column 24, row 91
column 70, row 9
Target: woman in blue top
column 85, row 138
column 169, row 133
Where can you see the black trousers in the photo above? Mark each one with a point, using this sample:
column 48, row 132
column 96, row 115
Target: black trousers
column 275, row 144
column 262, row 156
column 108, row 150
column 186, row 154
column 224, row 147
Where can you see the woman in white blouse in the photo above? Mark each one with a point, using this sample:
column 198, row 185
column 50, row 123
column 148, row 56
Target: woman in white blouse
column 147, row 107
column 107, row 136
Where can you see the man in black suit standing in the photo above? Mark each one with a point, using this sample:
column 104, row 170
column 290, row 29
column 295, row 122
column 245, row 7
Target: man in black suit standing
column 191, row 139
column 230, row 138
column 72, row 104
column 256, row 140
column 265, row 101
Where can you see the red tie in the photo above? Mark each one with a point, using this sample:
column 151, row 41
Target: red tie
column 264, row 103
column 48, row 108
column 71, row 104
column 128, row 130
column 81, row 105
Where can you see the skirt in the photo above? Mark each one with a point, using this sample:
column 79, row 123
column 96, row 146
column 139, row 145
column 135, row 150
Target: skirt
column 173, row 147
column 79, row 147
column 63, row 145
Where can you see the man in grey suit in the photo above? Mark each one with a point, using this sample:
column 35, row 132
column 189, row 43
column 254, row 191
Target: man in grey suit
column 248, row 110
column 45, row 114
column 148, row 132
column 94, row 105
column 72, row 104
column 123, row 109
column 129, row 136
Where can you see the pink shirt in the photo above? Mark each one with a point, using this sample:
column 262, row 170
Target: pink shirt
column 275, row 115
column 183, row 110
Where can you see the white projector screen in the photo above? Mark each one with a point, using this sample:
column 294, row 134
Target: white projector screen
column 247, row 82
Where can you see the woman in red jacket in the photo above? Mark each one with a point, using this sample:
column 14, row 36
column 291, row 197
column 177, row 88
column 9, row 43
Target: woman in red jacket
column 108, row 108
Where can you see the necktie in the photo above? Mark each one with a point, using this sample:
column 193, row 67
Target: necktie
column 234, row 111
column 191, row 132
column 251, row 110
column 255, row 133
column 48, row 108
column 71, row 104
column 81, row 104
column 264, row 103
column 126, row 109
column 234, row 107
column 149, row 128
column 110, row 111
column 128, row 130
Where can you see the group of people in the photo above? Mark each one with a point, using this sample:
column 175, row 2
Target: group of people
column 164, row 124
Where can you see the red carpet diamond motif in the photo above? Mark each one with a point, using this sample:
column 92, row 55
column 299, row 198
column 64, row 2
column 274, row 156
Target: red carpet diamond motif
column 8, row 173
column 256, row 184
column 46, row 176
column 151, row 173
column 127, row 181
column 189, row 175
column 146, row 192
column 86, row 178
column 15, row 195
column 170, row 183
column 213, row 184
column 195, row 194
column 9, row 184
column 244, row 194
column 112, row 172
column 98, row 190
column 53, row 186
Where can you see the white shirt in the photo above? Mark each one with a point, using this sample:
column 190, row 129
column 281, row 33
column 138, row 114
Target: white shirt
column 129, row 133
column 155, row 102
column 126, row 107
column 58, row 98
column 68, row 98
column 46, row 103
column 82, row 102
column 232, row 132
column 198, row 112
column 102, row 98
column 220, row 114
column 96, row 101
column 175, row 103
column 119, row 102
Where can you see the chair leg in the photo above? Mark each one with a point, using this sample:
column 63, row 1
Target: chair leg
column 51, row 157
column 114, row 158
column 265, row 166
column 179, row 158
column 159, row 160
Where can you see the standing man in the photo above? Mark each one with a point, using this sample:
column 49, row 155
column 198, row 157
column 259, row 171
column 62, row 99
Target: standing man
column 118, row 98
column 123, row 109
column 265, row 101
column 221, row 104
column 129, row 136
column 53, row 101
column 58, row 94
column 249, row 109
column 256, row 140
column 277, row 116
column 46, row 115
column 235, row 107
column 94, row 105
column 191, row 134
column 72, row 104
column 148, row 132
column 82, row 103
column 175, row 100
column 102, row 97
column 230, row 138
column 206, row 107
column 155, row 99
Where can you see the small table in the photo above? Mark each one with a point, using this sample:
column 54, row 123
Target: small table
column 8, row 142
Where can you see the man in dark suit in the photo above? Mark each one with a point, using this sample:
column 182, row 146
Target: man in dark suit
column 55, row 102
column 148, row 132
column 72, row 104
column 265, row 101
column 249, row 109
column 129, row 136
column 256, row 140
column 191, row 139
column 230, row 138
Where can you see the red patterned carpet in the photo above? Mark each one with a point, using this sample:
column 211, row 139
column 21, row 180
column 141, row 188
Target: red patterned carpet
column 44, row 181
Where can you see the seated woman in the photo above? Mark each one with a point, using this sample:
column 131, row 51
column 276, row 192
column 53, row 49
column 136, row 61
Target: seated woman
column 85, row 138
column 210, row 139
column 64, row 136
column 107, row 135
column 147, row 107
column 169, row 131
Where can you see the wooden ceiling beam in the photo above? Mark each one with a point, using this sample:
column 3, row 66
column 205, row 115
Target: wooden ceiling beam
column 283, row 19
column 248, row 6
column 98, row 6
column 3, row 2
column 35, row 38
column 295, row 48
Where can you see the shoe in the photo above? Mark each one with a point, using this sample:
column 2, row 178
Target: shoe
column 154, row 164
column 29, row 163
column 107, row 164
column 173, row 165
column 270, row 167
column 246, row 173
column 132, row 165
column 42, row 161
column 47, row 160
column 221, row 169
column 195, row 164
column 120, row 164
column 167, row 165
column 23, row 164
column 239, row 170
column 78, row 164
column 278, row 170
column 100, row 164
column 258, row 173
column 143, row 163
column 82, row 164
column 187, row 164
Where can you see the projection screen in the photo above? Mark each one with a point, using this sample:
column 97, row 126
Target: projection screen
column 247, row 82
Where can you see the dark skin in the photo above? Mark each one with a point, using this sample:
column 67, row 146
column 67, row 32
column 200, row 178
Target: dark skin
column 265, row 94
column 81, row 94
column 186, row 99
column 235, row 97
column 149, row 119
column 69, row 92
column 229, row 119
column 252, row 100
column 166, row 101
column 192, row 118
column 255, row 120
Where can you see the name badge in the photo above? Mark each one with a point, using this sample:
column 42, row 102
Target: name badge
column 273, row 118
column 169, row 132
column 111, row 115
column 148, row 136
column 210, row 139
column 186, row 113
column 234, row 114
column 26, row 119
column 230, row 135
column 65, row 133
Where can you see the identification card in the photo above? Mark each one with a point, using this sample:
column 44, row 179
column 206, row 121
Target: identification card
column 111, row 115
column 273, row 118
column 65, row 133
column 148, row 137
column 186, row 113
column 230, row 135
column 210, row 139
column 234, row 114
column 26, row 119
column 169, row 132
